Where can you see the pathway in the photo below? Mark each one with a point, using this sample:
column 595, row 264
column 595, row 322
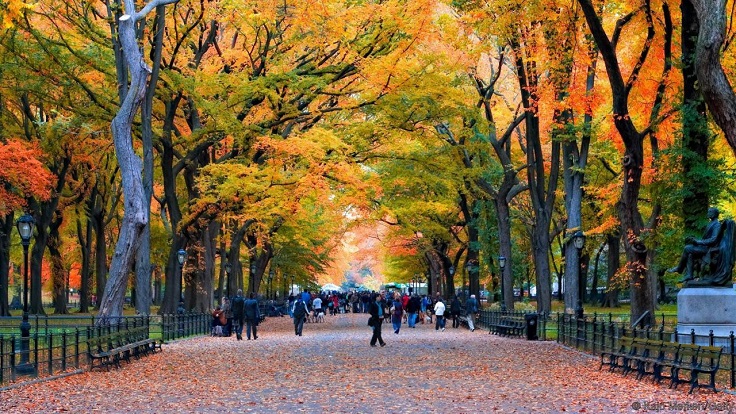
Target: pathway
column 332, row 369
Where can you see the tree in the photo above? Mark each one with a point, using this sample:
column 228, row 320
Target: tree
column 135, row 217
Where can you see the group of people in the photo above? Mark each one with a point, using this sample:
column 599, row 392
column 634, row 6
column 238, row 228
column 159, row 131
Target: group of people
column 233, row 314
column 397, row 305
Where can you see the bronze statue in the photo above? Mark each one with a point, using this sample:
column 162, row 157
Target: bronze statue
column 711, row 258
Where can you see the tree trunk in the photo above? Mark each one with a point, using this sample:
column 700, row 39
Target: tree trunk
column 58, row 272
column 695, row 134
column 135, row 218
column 6, row 228
column 712, row 79
column 642, row 300
column 504, row 242
column 84, row 237
column 614, row 251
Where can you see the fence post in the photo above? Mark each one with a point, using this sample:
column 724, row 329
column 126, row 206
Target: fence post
column 63, row 350
column 692, row 337
column 76, row 347
column 35, row 345
column 595, row 323
column 50, row 342
column 711, row 339
column 732, row 342
column 559, row 330
column 12, row 357
column 2, row 356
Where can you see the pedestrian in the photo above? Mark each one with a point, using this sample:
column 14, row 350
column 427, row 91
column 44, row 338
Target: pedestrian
column 397, row 313
column 317, row 306
column 439, row 313
column 300, row 312
column 226, row 309
column 412, row 308
column 238, row 308
column 471, row 309
column 252, row 316
column 218, row 321
column 455, row 309
column 376, row 311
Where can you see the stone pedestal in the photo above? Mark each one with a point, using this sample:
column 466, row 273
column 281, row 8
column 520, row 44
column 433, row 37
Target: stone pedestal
column 705, row 309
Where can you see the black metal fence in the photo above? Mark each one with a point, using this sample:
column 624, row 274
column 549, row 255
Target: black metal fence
column 60, row 344
column 595, row 334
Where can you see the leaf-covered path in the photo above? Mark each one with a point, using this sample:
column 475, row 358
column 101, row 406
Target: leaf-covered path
column 332, row 369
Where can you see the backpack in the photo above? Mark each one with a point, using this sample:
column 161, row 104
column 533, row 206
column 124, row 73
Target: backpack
column 299, row 311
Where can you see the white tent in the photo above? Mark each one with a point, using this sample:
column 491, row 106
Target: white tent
column 329, row 287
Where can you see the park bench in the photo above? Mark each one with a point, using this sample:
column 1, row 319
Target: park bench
column 648, row 357
column 508, row 325
column 111, row 348
column 698, row 360
column 614, row 358
column 654, row 357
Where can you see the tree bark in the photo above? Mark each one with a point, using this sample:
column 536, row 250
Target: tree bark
column 58, row 272
column 6, row 228
column 632, row 224
column 712, row 79
column 695, row 134
column 135, row 218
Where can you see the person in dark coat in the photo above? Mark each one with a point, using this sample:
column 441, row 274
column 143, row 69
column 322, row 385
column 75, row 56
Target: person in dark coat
column 455, row 311
column 300, row 311
column 375, row 308
column 252, row 315
column 238, row 309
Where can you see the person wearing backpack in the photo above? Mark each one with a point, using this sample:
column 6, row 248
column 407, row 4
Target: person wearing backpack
column 238, row 309
column 300, row 314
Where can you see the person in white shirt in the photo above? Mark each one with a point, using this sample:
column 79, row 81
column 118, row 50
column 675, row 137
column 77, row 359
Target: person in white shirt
column 317, row 305
column 439, row 312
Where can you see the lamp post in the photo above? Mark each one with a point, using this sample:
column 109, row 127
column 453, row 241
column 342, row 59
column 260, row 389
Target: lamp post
column 502, row 265
column 291, row 288
column 578, row 240
column 228, row 269
column 181, row 257
column 270, row 279
column 252, row 277
column 452, row 273
column 25, row 226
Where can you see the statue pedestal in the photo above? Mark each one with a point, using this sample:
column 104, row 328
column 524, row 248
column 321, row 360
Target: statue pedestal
column 705, row 309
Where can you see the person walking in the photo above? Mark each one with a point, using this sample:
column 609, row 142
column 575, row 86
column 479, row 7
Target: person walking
column 471, row 309
column 238, row 309
column 439, row 313
column 397, row 312
column 412, row 308
column 252, row 316
column 455, row 309
column 300, row 312
column 375, row 308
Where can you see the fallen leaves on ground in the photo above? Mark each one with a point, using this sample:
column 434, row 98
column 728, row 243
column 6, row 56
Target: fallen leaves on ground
column 332, row 368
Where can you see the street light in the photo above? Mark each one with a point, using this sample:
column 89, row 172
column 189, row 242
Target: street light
column 270, row 279
column 578, row 240
column 502, row 265
column 181, row 257
column 25, row 226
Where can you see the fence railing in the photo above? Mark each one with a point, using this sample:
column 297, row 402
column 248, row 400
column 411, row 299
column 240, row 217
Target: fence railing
column 58, row 345
column 595, row 334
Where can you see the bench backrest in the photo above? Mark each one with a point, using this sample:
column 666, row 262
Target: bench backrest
column 652, row 348
column 710, row 357
column 670, row 350
column 688, row 353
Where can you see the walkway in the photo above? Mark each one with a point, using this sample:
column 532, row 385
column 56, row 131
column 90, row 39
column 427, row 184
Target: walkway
column 332, row 369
